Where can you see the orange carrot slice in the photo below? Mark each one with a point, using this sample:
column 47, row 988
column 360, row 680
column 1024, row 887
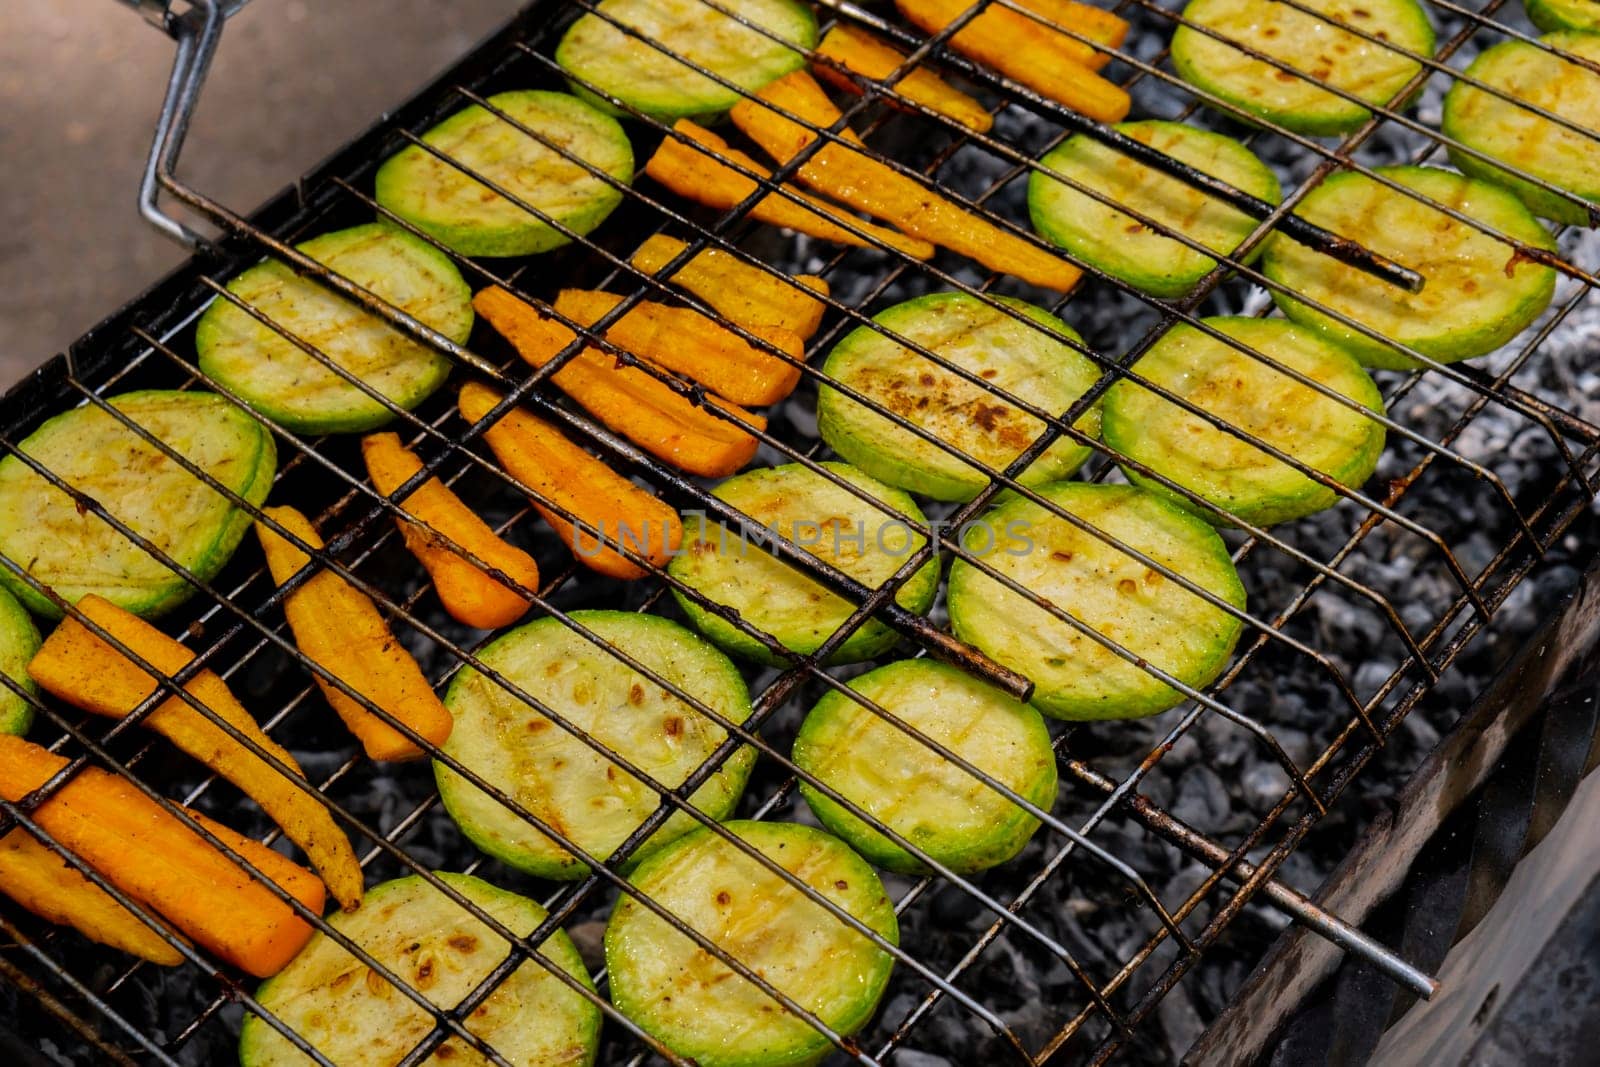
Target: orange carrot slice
column 646, row 411
column 847, row 172
column 691, row 170
column 869, row 56
column 612, row 509
column 471, row 595
column 80, row 667
column 339, row 628
column 748, row 295
column 683, row 340
column 159, row 862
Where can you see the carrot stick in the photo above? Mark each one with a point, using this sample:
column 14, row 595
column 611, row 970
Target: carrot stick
column 748, row 295
column 845, row 171
column 338, row 627
column 158, row 861
column 472, row 596
column 57, row 892
column 870, row 57
column 80, row 667
column 1024, row 50
column 612, row 509
column 692, row 171
column 631, row 402
column 683, row 340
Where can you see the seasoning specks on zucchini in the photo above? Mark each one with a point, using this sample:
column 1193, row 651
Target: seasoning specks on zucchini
column 1256, row 398
column 1011, row 354
column 1106, row 589
column 697, row 1005
column 74, row 552
column 19, row 640
column 570, row 786
column 894, row 776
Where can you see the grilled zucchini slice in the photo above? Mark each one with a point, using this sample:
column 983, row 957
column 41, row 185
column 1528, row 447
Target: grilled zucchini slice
column 74, row 552
column 1120, row 245
column 445, row 200
column 1259, row 399
column 355, row 1017
column 1533, row 145
column 1116, row 595
column 1005, row 351
column 832, row 523
column 266, row 370
column 19, row 640
column 1478, row 294
column 1308, row 44
column 666, row 81
column 1552, row 15
column 898, row 780
column 699, row 1007
column 569, row 785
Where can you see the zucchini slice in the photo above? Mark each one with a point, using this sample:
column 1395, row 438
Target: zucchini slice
column 354, row 1016
column 1103, row 587
column 666, row 82
column 267, row 371
column 833, row 524
column 1308, row 44
column 1119, row 244
column 1533, row 145
column 1551, row 15
column 1478, row 295
column 698, row 1006
column 593, row 802
column 1254, row 397
column 19, row 640
column 464, row 213
column 74, row 552
column 1007, row 352
column 898, row 780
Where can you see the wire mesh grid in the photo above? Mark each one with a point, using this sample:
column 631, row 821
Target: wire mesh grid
column 235, row 624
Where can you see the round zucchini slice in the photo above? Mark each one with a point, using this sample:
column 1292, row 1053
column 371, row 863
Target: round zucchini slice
column 832, row 523
column 593, row 802
column 1564, row 157
column 1111, row 592
column 462, row 212
column 270, row 373
column 1478, row 295
column 1310, row 45
column 1120, row 245
column 1009, row 353
column 1254, row 397
column 19, row 640
column 1554, row 15
column 75, row 552
column 898, row 780
column 697, row 1005
column 668, row 82
column 356, row 1018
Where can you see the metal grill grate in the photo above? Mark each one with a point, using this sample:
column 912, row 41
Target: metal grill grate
column 234, row 623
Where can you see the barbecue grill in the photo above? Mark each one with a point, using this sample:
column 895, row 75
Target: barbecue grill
column 1360, row 618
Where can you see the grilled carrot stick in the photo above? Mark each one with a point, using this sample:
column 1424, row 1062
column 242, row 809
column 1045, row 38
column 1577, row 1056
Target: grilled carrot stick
column 472, row 596
column 80, row 667
column 1023, row 49
column 845, row 171
column 57, row 892
column 748, row 295
column 631, row 402
column 339, row 628
column 158, row 861
column 683, row 340
column 612, row 509
column 692, row 171
column 870, row 57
